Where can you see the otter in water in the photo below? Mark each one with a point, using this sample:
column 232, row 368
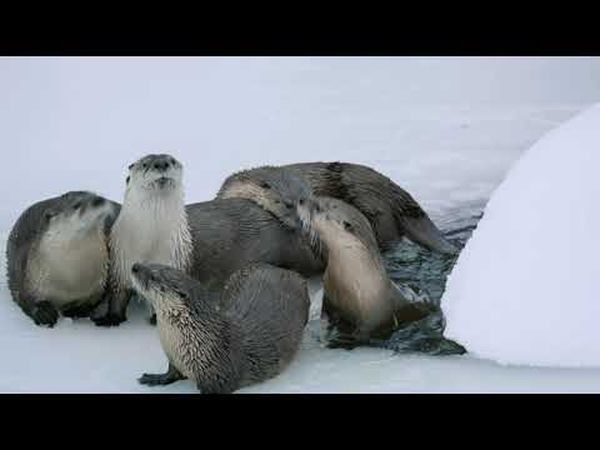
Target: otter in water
column 248, row 335
column 57, row 256
column 207, row 240
column 359, row 298
column 391, row 211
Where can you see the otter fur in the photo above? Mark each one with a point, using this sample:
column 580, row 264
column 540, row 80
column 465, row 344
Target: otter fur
column 392, row 212
column 248, row 335
column 57, row 256
column 359, row 298
column 276, row 190
column 207, row 240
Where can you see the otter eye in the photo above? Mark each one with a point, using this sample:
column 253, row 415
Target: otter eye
column 265, row 185
column 301, row 201
column 77, row 205
column 347, row 226
column 145, row 165
column 289, row 205
column 127, row 180
column 172, row 161
column 48, row 215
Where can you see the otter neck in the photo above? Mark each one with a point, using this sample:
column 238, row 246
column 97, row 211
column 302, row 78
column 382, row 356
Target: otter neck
column 354, row 274
column 151, row 228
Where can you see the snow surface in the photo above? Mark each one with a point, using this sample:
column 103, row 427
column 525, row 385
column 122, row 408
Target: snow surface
column 446, row 129
column 538, row 245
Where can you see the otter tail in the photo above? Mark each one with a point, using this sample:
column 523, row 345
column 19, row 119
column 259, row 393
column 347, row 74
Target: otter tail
column 421, row 230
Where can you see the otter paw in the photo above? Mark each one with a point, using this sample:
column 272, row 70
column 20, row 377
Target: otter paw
column 77, row 312
column 153, row 379
column 44, row 313
column 109, row 320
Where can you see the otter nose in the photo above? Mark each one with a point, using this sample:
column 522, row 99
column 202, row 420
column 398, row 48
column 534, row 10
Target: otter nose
column 161, row 165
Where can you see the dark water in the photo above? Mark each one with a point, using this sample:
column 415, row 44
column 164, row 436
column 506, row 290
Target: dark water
column 425, row 272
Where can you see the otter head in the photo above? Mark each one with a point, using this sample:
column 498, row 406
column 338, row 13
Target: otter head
column 154, row 175
column 166, row 288
column 277, row 190
column 335, row 223
column 81, row 212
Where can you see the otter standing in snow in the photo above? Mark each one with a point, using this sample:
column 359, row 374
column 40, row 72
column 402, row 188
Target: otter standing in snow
column 57, row 256
column 248, row 335
column 207, row 240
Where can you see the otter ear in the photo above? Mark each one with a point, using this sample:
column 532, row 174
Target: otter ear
column 130, row 166
column 49, row 214
column 348, row 226
column 182, row 295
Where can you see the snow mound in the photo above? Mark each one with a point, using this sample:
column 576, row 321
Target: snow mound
column 525, row 290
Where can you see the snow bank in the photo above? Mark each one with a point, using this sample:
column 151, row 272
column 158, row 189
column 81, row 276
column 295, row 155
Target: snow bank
column 525, row 288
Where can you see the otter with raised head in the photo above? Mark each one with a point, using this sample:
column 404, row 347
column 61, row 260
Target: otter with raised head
column 57, row 256
column 248, row 335
column 207, row 240
column 392, row 212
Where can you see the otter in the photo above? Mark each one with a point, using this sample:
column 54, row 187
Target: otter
column 248, row 335
column 57, row 256
column 392, row 212
column 207, row 240
column 276, row 190
column 359, row 298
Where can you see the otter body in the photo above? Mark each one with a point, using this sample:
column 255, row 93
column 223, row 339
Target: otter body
column 207, row 240
column 391, row 211
column 359, row 298
column 247, row 335
column 57, row 256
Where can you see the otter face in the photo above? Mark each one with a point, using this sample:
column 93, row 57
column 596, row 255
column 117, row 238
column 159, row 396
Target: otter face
column 335, row 224
column 163, row 286
column 81, row 212
column 155, row 173
column 331, row 220
column 275, row 189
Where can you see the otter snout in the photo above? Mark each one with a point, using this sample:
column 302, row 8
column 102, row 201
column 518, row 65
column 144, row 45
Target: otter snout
column 161, row 164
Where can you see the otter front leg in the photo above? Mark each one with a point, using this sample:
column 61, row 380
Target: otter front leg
column 43, row 313
column 172, row 375
column 339, row 333
column 116, row 306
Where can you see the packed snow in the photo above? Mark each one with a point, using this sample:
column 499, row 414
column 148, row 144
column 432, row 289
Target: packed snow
column 525, row 288
column 446, row 129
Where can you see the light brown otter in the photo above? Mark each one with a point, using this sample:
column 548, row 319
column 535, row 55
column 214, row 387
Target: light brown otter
column 360, row 301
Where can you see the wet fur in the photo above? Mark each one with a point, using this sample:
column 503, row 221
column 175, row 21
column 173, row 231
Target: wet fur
column 359, row 297
column 392, row 212
column 248, row 335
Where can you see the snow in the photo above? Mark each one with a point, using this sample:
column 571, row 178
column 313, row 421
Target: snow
column 537, row 244
column 446, row 129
